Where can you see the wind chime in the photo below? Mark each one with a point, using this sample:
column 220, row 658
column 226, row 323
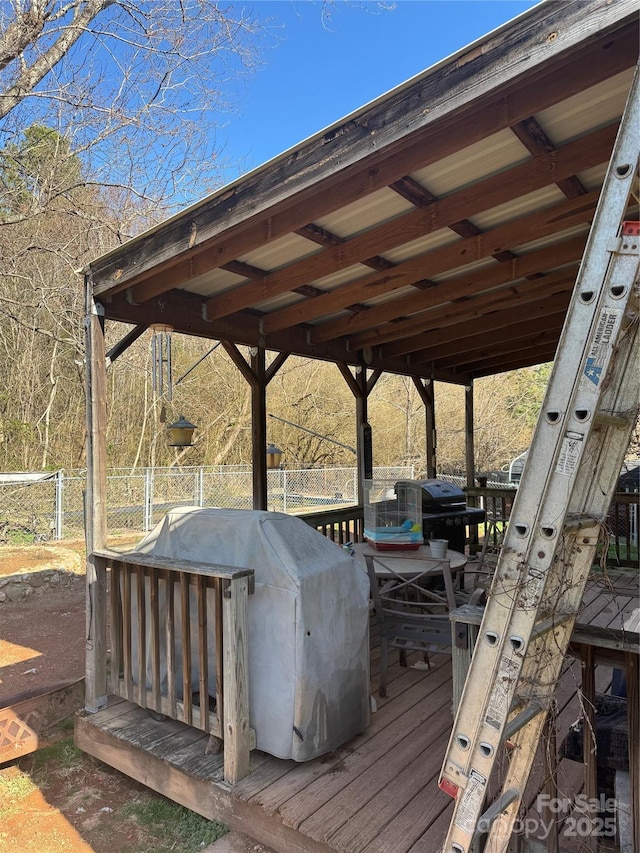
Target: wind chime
column 180, row 433
column 161, row 368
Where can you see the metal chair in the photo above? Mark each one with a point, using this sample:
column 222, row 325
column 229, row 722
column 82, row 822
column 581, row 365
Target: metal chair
column 411, row 615
column 495, row 529
column 483, row 569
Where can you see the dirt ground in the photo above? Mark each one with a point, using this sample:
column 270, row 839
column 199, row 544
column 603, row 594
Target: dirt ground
column 41, row 637
column 59, row 800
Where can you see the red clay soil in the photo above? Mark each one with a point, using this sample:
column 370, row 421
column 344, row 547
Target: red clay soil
column 42, row 637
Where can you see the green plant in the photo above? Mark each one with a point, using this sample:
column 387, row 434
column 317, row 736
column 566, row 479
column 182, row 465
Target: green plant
column 178, row 829
column 64, row 753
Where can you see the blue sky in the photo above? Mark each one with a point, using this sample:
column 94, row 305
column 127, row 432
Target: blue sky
column 312, row 75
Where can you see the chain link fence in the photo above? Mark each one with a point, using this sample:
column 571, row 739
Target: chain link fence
column 36, row 507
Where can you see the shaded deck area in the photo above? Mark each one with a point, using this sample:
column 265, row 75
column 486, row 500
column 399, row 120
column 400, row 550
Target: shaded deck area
column 378, row 793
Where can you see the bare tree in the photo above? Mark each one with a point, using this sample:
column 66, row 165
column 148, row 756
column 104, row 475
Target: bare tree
column 135, row 90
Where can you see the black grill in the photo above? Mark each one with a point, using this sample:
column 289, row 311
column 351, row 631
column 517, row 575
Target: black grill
column 445, row 514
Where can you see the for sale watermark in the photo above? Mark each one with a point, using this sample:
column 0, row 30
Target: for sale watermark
column 570, row 817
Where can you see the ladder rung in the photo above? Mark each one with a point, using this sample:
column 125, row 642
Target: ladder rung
column 607, row 419
column 495, row 809
column 578, row 522
column 529, row 713
column 549, row 624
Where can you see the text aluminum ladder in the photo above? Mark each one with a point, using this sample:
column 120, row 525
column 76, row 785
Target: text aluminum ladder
column 574, row 461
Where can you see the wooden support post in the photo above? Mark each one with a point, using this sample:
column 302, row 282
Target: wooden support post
column 237, row 734
column 363, row 443
column 259, row 428
column 589, row 745
column 633, row 712
column 255, row 374
column 95, row 505
column 426, row 391
column 361, row 388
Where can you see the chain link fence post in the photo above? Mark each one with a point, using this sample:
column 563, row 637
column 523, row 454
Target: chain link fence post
column 56, row 527
column 200, row 483
column 147, row 510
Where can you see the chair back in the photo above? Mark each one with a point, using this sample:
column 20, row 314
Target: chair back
column 412, row 609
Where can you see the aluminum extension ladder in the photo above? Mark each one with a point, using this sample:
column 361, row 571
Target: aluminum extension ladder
column 578, row 448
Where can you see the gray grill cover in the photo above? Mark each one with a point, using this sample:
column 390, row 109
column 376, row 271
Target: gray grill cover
column 308, row 623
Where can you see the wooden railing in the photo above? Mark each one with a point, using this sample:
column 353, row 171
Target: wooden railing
column 340, row 525
column 153, row 604
column 623, row 527
column 621, row 524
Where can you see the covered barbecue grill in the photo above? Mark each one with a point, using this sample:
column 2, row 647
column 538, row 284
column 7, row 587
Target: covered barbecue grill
column 308, row 623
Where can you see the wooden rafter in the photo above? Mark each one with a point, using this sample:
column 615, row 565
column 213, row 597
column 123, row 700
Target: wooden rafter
column 509, row 301
column 500, row 189
column 453, row 289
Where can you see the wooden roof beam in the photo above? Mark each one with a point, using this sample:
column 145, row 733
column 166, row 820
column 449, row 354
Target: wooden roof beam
column 183, row 311
column 484, row 337
column 461, row 287
column 524, row 358
column 519, row 180
column 324, row 237
column 512, row 298
column 546, row 334
column 536, row 141
column 500, row 324
column 420, row 196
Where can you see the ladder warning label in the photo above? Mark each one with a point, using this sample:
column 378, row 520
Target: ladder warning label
column 500, row 698
column 570, row 452
column 471, row 803
column 600, row 348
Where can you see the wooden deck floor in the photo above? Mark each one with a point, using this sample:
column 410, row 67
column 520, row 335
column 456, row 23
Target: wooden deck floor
column 377, row 794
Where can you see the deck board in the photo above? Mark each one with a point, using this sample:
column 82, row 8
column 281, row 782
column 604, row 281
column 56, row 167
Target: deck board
column 319, row 792
column 419, row 818
column 372, row 818
column 395, row 757
column 388, row 714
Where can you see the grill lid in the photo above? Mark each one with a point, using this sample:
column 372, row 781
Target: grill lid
column 434, row 492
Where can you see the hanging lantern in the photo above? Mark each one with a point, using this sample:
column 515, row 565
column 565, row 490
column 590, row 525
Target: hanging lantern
column 161, row 367
column 274, row 456
column 180, row 433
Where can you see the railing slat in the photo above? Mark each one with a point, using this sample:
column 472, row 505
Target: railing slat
column 170, row 648
column 203, row 656
column 186, row 648
column 126, row 633
column 219, row 644
column 116, row 628
column 141, row 637
column 155, row 635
